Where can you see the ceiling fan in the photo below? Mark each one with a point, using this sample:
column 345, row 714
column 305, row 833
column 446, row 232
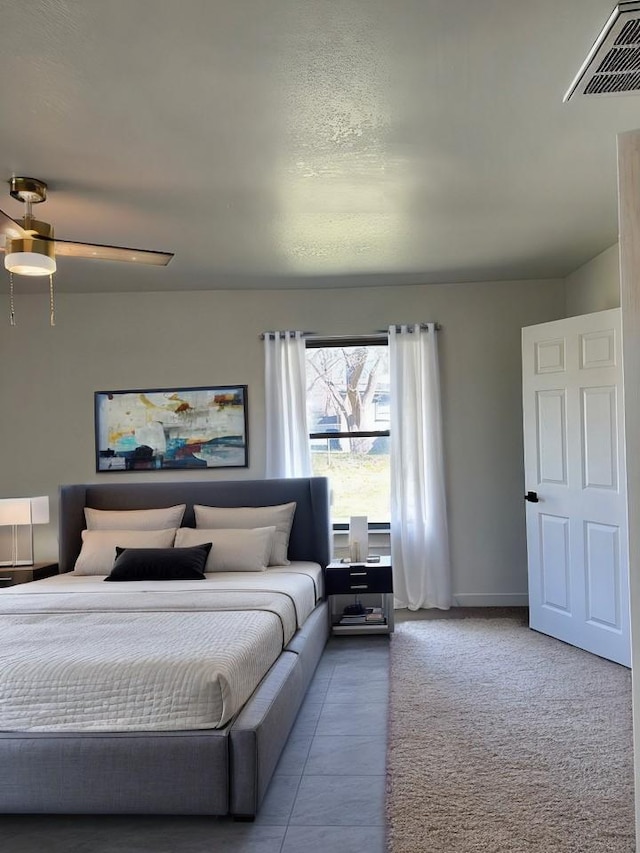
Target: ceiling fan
column 31, row 249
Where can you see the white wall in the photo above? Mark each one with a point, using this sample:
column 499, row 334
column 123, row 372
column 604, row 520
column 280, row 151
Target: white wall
column 120, row 341
column 595, row 286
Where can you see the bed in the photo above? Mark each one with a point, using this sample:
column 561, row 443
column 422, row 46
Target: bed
column 151, row 697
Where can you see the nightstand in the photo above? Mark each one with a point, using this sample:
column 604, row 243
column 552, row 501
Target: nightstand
column 12, row 575
column 370, row 582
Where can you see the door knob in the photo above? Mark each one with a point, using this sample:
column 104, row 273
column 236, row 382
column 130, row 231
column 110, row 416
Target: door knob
column 532, row 497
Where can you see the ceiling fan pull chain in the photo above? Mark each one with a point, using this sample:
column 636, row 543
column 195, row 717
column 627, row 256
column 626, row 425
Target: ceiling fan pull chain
column 52, row 307
column 12, row 312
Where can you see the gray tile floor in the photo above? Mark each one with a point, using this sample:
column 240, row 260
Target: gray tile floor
column 327, row 792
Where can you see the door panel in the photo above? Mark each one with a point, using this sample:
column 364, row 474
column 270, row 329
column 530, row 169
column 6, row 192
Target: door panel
column 550, row 356
column 602, row 554
column 598, row 349
column 556, row 579
column 574, row 459
column 599, row 429
column 552, row 431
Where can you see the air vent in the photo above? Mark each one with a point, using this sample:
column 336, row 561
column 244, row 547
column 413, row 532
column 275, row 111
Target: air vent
column 612, row 66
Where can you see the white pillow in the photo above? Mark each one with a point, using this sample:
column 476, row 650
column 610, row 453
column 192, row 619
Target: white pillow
column 280, row 517
column 235, row 550
column 134, row 519
column 98, row 552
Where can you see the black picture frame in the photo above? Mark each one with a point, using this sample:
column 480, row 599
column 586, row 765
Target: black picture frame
column 171, row 429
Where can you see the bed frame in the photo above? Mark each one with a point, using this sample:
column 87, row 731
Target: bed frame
column 212, row 772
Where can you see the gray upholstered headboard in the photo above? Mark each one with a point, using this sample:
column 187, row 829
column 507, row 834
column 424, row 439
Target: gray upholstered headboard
column 310, row 534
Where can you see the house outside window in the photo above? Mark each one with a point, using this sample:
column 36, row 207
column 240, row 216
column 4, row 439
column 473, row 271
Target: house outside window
column 348, row 417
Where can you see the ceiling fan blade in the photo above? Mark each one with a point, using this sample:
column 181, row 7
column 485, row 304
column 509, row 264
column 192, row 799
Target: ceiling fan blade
column 67, row 248
column 10, row 228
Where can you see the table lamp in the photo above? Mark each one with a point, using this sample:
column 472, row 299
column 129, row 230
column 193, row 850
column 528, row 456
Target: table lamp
column 22, row 512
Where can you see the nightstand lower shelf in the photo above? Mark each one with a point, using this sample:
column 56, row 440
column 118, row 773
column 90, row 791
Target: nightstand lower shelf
column 361, row 629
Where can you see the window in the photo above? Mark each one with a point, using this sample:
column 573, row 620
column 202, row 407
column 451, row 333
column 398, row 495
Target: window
column 348, row 416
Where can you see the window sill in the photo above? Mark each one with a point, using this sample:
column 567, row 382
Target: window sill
column 373, row 531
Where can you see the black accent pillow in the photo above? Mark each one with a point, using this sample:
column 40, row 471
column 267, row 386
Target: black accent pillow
column 160, row 564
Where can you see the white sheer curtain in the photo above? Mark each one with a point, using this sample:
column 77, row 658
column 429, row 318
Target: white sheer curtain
column 288, row 453
column 419, row 534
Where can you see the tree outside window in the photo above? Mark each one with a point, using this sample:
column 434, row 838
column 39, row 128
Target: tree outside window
column 348, row 416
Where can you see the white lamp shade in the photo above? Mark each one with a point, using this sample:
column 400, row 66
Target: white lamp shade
column 29, row 263
column 24, row 510
column 40, row 510
column 15, row 511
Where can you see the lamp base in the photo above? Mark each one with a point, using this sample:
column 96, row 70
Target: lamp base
column 16, row 545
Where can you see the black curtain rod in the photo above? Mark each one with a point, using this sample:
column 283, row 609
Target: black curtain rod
column 320, row 337
column 283, row 335
column 411, row 326
column 379, row 333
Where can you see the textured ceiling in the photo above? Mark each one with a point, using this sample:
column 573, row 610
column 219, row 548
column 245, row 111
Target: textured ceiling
column 313, row 143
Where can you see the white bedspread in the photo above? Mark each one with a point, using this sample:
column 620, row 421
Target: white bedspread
column 78, row 655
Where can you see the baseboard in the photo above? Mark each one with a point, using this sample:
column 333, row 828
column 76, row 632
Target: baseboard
column 509, row 599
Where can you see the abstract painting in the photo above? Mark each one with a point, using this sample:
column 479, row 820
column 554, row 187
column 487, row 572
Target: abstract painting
column 167, row 428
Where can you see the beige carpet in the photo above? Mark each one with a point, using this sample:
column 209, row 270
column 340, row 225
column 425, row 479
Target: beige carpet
column 502, row 739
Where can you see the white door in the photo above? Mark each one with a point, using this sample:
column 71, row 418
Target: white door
column 576, row 484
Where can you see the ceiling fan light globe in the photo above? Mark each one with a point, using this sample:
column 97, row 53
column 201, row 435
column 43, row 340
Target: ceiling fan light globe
column 29, row 263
